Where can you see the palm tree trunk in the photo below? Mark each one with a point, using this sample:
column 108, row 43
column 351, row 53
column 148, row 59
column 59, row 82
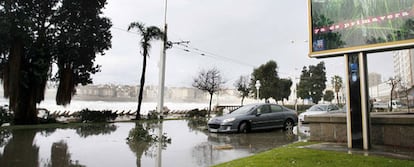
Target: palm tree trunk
column 141, row 89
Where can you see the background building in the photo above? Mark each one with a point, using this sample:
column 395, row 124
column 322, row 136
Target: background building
column 403, row 66
column 374, row 79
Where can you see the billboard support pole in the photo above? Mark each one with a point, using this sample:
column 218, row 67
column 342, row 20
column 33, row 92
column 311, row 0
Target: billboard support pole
column 358, row 118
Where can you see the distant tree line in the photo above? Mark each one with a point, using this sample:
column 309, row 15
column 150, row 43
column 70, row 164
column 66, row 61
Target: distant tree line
column 311, row 86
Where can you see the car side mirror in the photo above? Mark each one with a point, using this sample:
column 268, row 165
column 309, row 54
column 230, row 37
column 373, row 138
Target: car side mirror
column 258, row 113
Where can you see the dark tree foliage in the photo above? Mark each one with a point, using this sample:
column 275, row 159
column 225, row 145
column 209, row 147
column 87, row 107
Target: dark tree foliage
column 34, row 35
column 242, row 85
column 312, row 82
column 328, row 96
column 209, row 81
column 81, row 34
column 303, row 86
column 271, row 85
column 283, row 89
column 268, row 77
column 148, row 34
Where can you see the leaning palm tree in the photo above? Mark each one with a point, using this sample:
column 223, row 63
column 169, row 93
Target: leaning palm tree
column 148, row 34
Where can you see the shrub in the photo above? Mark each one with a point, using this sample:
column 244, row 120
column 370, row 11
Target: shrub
column 152, row 115
column 44, row 116
column 219, row 111
column 87, row 115
column 195, row 113
column 5, row 116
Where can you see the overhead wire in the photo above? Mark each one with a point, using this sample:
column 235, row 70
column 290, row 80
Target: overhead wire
column 195, row 50
column 190, row 49
column 124, row 30
column 213, row 55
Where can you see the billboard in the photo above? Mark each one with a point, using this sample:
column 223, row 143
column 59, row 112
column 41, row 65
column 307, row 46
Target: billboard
column 337, row 27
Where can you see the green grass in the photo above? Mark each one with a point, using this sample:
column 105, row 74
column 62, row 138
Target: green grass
column 294, row 155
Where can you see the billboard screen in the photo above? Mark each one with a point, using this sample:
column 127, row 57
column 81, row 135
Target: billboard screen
column 346, row 26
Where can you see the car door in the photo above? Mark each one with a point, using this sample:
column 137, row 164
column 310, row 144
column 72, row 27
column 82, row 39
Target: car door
column 277, row 116
column 261, row 118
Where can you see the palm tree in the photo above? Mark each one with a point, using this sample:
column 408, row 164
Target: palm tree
column 337, row 84
column 148, row 34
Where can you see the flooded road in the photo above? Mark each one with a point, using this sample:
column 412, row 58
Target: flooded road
column 123, row 144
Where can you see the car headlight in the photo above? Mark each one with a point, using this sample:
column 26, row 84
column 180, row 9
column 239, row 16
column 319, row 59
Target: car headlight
column 229, row 120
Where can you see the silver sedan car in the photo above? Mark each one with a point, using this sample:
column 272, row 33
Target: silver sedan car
column 254, row 117
column 319, row 109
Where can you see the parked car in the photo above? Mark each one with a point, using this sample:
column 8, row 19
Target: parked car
column 320, row 109
column 254, row 117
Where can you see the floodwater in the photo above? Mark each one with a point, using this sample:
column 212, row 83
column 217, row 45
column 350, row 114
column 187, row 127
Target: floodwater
column 114, row 144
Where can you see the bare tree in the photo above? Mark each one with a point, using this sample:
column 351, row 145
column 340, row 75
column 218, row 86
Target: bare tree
column 242, row 85
column 405, row 90
column 393, row 82
column 209, row 81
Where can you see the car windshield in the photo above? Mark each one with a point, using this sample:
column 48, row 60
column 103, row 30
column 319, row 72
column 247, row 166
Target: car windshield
column 243, row 110
column 319, row 108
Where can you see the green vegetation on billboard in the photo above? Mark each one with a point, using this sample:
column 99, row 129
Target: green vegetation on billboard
column 345, row 26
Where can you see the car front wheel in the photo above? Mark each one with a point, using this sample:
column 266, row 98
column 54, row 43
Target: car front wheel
column 243, row 128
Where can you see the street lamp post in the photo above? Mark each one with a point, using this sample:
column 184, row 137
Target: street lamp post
column 257, row 89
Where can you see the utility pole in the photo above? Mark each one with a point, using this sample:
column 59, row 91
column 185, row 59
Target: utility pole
column 165, row 45
column 160, row 106
column 161, row 88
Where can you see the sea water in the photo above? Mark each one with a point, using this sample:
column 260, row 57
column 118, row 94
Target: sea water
column 78, row 105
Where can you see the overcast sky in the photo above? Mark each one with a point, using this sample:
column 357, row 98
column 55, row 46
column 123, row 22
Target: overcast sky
column 235, row 36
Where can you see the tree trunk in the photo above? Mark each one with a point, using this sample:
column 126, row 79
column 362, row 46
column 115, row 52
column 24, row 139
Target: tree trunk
column 25, row 110
column 209, row 106
column 242, row 100
column 390, row 103
column 22, row 96
column 337, row 99
column 141, row 89
column 12, row 78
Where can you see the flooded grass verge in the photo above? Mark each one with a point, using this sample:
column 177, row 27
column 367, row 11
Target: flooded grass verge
column 297, row 155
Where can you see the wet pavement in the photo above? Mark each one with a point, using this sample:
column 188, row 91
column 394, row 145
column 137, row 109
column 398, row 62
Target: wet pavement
column 385, row 151
column 128, row 144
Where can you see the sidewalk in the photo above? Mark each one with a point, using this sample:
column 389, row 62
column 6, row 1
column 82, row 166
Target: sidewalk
column 386, row 151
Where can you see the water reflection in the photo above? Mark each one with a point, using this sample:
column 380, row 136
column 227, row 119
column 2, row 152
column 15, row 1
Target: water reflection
column 95, row 130
column 61, row 157
column 4, row 136
column 20, row 150
column 222, row 147
column 142, row 141
column 132, row 144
